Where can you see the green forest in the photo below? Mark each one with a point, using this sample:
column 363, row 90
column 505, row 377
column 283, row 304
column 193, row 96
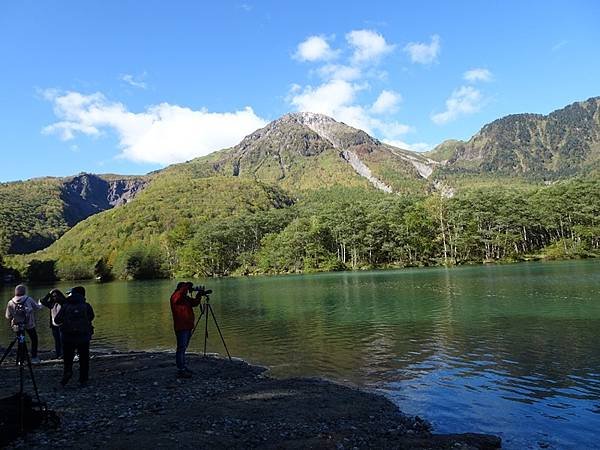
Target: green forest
column 31, row 214
column 226, row 226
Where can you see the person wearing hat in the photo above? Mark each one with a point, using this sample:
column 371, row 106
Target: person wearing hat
column 182, row 307
column 22, row 302
column 75, row 321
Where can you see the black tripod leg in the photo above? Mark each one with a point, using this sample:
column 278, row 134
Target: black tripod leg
column 219, row 330
column 21, row 349
column 10, row 346
column 196, row 325
column 37, row 394
column 206, row 327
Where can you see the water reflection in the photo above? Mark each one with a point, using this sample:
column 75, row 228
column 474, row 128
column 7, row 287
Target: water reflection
column 509, row 349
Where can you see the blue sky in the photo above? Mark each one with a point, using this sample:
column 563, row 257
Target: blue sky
column 128, row 87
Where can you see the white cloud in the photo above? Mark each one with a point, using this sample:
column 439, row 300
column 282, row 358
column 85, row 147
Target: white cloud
column 338, row 94
column 340, row 72
column 368, row 45
column 464, row 100
column 137, row 82
column 327, row 98
column 423, row 53
column 315, row 48
column 386, row 102
column 338, row 99
column 391, row 130
column 163, row 133
column 478, row 74
column 416, row 147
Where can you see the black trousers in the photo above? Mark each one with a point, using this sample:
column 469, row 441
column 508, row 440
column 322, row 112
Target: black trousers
column 83, row 349
column 34, row 341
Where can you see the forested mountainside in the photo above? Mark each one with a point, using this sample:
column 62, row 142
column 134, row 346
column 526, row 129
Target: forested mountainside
column 220, row 226
column 308, row 193
column 34, row 213
column 561, row 144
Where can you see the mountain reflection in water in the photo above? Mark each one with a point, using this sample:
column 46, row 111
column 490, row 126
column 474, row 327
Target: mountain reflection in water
column 513, row 350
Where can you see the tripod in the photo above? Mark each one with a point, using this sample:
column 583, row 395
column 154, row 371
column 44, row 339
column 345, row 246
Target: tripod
column 22, row 358
column 204, row 312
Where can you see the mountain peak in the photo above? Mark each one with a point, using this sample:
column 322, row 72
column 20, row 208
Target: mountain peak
column 338, row 134
column 305, row 117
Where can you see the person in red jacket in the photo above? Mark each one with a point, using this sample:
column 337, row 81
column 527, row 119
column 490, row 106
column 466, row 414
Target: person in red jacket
column 182, row 307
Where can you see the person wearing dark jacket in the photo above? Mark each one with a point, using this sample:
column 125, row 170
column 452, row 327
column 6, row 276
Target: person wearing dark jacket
column 75, row 320
column 182, row 307
column 53, row 300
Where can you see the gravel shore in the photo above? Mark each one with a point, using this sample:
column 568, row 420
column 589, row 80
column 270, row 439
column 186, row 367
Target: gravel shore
column 135, row 400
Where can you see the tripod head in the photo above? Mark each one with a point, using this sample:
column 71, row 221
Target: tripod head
column 19, row 329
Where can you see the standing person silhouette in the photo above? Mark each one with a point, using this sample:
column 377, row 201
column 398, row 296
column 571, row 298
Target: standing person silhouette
column 75, row 320
column 21, row 301
column 182, row 307
column 53, row 301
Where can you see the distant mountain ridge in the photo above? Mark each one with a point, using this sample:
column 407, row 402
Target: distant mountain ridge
column 35, row 213
column 564, row 143
column 302, row 152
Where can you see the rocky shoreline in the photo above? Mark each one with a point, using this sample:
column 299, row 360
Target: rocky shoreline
column 135, row 400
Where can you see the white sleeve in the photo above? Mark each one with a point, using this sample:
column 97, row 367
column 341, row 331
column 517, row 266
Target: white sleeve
column 35, row 305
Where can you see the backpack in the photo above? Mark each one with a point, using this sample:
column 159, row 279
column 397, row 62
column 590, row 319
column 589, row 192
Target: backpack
column 21, row 314
column 75, row 319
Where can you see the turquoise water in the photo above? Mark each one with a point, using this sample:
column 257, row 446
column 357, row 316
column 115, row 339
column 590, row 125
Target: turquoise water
column 512, row 350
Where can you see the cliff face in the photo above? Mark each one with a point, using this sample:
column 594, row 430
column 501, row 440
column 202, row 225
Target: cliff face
column 88, row 194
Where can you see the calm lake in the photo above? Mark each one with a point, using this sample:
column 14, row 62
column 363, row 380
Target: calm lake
column 512, row 350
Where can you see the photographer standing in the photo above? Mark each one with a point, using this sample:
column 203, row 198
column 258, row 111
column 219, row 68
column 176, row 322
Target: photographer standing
column 75, row 321
column 20, row 311
column 53, row 301
column 182, row 307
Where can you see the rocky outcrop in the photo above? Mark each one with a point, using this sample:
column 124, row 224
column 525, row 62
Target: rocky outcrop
column 364, row 171
column 122, row 191
column 421, row 163
column 87, row 194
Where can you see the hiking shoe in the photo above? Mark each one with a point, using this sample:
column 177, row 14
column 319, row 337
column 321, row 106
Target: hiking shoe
column 183, row 374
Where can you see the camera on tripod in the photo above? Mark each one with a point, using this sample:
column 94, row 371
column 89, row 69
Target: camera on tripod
column 201, row 290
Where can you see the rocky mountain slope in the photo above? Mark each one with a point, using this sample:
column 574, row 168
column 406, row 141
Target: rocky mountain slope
column 561, row 144
column 303, row 151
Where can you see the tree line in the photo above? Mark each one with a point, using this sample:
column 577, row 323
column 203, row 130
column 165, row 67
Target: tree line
column 352, row 229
